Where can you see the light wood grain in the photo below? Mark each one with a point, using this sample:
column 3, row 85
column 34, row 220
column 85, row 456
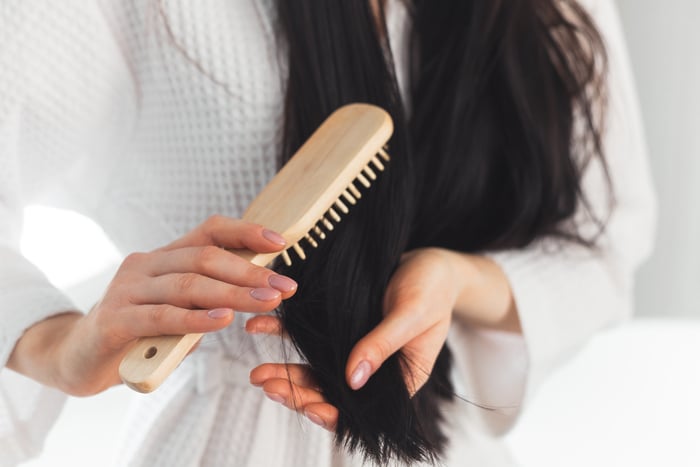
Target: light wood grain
column 298, row 197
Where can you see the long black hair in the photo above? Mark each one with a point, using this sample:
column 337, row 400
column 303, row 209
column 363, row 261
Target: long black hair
column 488, row 157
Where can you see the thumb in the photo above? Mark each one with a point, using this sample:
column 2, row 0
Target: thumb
column 375, row 348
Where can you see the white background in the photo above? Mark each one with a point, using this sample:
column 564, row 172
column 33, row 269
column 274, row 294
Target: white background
column 664, row 43
column 632, row 398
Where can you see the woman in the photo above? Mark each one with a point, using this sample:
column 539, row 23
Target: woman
column 152, row 116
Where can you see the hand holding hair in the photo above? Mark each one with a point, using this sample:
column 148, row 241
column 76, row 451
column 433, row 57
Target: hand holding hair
column 428, row 287
column 189, row 286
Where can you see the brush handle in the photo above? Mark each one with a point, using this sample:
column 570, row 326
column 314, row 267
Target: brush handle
column 152, row 359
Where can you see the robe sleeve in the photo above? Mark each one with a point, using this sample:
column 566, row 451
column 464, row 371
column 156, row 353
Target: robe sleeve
column 60, row 68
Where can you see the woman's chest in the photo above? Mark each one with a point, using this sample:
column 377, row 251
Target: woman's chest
column 210, row 93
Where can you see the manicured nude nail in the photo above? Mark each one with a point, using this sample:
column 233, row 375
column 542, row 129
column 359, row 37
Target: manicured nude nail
column 275, row 397
column 361, row 374
column 265, row 295
column 220, row 313
column 315, row 418
column 274, row 237
column 282, row 283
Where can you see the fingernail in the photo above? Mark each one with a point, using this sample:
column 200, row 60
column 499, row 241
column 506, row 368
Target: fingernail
column 265, row 295
column 220, row 313
column 315, row 418
column 282, row 283
column 361, row 374
column 274, row 237
column 275, row 397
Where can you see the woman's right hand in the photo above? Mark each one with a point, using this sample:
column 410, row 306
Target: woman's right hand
column 189, row 286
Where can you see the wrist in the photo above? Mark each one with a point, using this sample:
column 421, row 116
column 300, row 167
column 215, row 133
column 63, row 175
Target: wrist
column 64, row 349
column 484, row 296
column 38, row 353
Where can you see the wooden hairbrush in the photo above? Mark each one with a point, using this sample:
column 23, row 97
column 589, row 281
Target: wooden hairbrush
column 300, row 202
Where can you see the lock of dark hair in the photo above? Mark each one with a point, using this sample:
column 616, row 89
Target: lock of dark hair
column 489, row 158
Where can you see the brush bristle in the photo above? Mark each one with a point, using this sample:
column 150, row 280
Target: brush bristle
column 351, row 194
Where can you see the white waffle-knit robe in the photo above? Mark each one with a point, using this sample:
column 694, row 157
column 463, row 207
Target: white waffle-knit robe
column 148, row 132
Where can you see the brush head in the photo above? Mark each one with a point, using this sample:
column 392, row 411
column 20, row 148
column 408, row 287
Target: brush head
column 312, row 190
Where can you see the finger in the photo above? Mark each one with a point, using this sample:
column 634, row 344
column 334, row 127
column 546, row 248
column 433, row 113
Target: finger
column 290, row 395
column 300, row 395
column 398, row 328
column 228, row 232
column 322, row 414
column 195, row 291
column 299, row 375
column 168, row 320
column 265, row 324
column 217, row 263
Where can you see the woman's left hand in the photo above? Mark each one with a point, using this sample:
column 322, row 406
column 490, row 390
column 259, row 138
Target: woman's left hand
column 418, row 306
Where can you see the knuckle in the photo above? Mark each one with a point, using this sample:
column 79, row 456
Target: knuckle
column 158, row 314
column 206, row 256
column 133, row 260
column 119, row 286
column 190, row 321
column 259, row 275
column 236, row 296
column 185, row 282
column 248, row 231
column 252, row 227
column 382, row 348
column 214, row 221
column 122, row 290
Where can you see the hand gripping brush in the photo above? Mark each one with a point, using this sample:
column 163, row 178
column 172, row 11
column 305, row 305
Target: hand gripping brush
column 308, row 194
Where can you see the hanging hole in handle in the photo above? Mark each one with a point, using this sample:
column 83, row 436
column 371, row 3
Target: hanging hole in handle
column 150, row 352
